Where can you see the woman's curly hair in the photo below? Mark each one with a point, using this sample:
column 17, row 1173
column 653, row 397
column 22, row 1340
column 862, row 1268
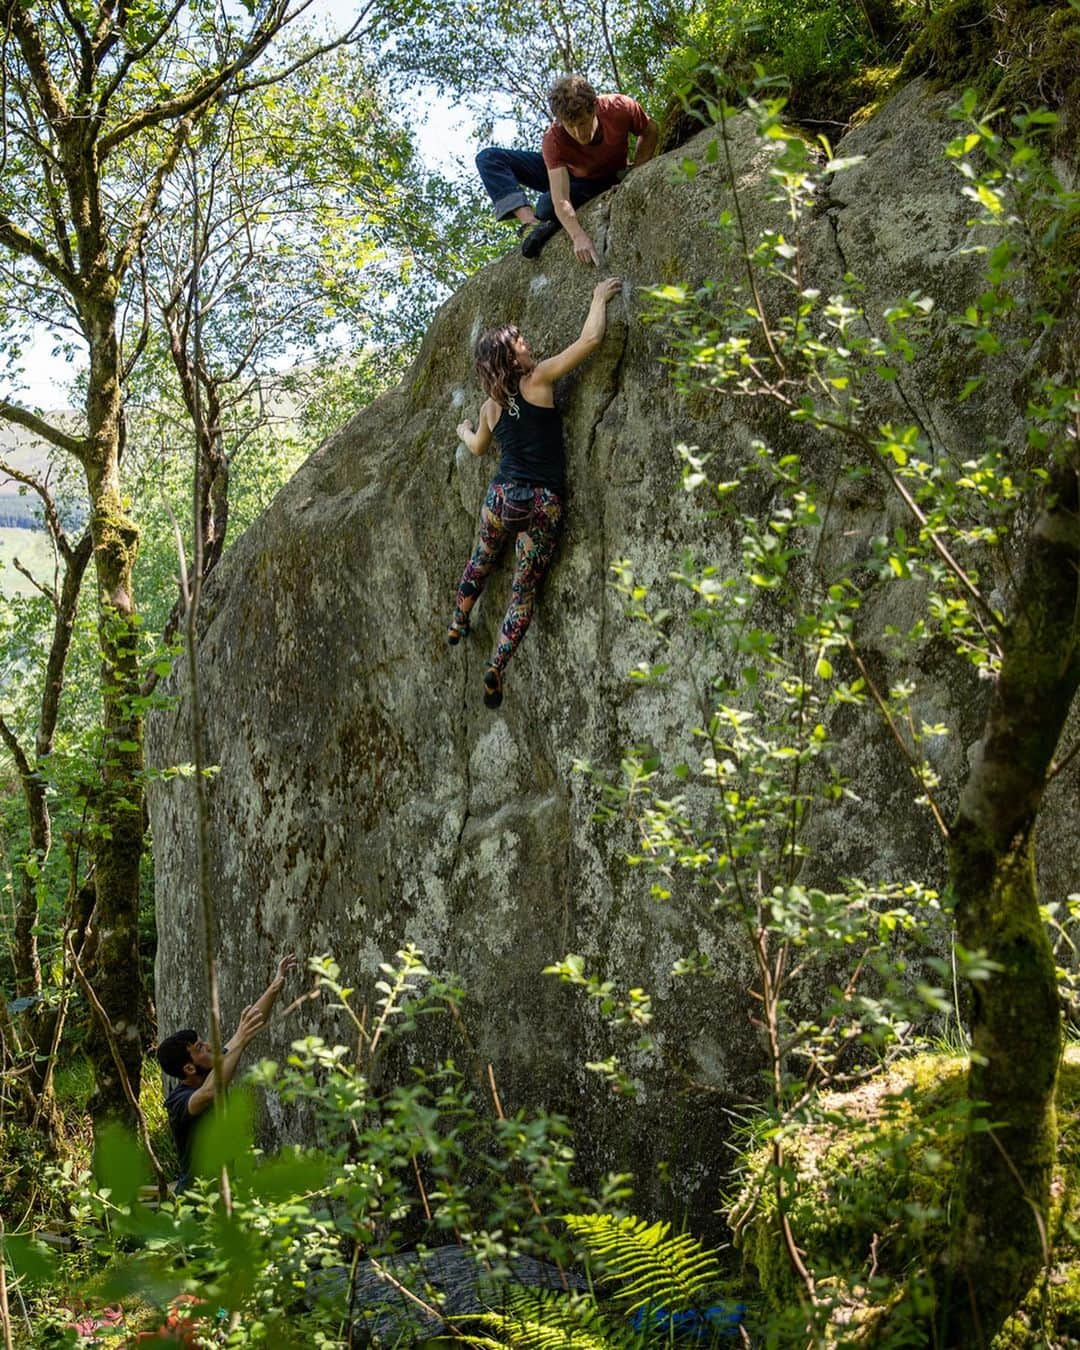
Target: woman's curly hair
column 497, row 364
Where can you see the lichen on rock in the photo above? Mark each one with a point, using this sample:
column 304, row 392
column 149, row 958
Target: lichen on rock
column 366, row 798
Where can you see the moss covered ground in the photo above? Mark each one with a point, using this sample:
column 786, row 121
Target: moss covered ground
column 872, row 1185
column 1015, row 54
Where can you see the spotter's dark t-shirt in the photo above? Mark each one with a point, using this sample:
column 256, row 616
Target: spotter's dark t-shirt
column 182, row 1123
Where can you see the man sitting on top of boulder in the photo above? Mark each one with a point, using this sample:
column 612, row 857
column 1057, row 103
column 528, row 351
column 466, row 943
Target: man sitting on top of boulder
column 584, row 153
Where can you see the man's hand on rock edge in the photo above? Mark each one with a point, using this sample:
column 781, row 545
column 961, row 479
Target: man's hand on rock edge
column 584, row 250
column 286, row 965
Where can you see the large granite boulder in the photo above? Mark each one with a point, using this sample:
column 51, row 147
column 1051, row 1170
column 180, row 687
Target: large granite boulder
column 367, row 798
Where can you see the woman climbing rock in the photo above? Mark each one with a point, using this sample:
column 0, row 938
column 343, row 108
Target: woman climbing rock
column 526, row 496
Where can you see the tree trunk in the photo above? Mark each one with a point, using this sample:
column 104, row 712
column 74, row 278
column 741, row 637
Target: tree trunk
column 118, row 815
column 1016, row 1019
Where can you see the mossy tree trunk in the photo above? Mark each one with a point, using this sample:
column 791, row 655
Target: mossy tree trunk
column 82, row 234
column 1016, row 1019
column 118, row 816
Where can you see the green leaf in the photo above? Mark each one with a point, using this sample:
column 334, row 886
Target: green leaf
column 844, row 162
column 674, row 294
column 120, row 1164
column 650, row 1266
column 989, row 198
column 226, row 1137
column 28, row 1258
column 291, row 1175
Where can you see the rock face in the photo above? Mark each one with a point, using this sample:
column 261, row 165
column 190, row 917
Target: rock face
column 367, row 798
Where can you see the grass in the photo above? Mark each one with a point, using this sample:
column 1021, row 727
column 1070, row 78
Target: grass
column 74, row 1084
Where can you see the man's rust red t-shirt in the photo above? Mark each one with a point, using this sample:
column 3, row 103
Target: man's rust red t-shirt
column 617, row 116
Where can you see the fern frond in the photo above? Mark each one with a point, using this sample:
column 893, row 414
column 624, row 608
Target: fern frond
column 548, row 1320
column 525, row 1334
column 654, row 1269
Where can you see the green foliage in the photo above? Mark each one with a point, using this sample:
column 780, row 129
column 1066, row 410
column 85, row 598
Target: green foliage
column 404, row 1153
column 833, row 358
column 831, row 59
column 655, row 1287
column 849, row 972
column 498, row 59
column 550, row 1321
column 653, row 1267
column 872, row 1177
column 1016, row 55
column 878, row 1175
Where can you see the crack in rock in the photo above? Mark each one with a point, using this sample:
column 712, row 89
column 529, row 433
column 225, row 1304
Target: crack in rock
column 615, row 389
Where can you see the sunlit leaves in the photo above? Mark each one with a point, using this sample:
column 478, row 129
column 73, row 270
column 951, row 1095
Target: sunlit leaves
column 423, row 1149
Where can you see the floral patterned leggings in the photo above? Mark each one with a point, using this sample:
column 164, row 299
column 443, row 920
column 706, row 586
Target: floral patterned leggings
column 536, row 520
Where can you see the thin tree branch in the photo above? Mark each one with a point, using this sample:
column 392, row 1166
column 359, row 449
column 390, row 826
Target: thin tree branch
column 905, row 750
column 76, row 559
column 133, row 57
column 18, row 241
column 195, row 99
column 18, row 754
column 46, row 591
column 276, row 76
column 52, row 515
column 1060, row 765
column 136, row 233
column 118, row 1059
column 22, row 417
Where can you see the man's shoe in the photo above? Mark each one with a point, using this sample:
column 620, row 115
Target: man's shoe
column 538, row 237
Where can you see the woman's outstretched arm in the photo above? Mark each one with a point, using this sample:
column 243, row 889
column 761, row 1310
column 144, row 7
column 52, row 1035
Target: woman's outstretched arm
column 479, row 440
column 592, row 333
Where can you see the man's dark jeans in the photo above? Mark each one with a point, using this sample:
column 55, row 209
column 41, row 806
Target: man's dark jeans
column 505, row 172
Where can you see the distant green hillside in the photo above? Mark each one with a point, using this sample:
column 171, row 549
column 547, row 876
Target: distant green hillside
column 34, row 551
column 17, row 511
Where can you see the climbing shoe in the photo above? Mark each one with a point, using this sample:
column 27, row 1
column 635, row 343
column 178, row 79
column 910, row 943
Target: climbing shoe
column 492, row 687
column 538, row 236
column 459, row 628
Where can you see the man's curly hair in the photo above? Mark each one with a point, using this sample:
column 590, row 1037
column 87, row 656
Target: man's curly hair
column 572, row 99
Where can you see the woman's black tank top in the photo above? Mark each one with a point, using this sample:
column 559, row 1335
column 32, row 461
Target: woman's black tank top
column 531, row 440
